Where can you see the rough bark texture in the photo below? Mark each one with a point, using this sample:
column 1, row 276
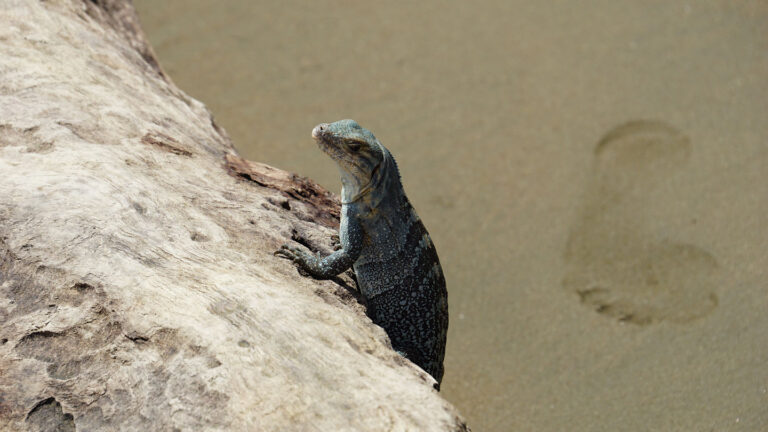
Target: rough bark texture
column 138, row 290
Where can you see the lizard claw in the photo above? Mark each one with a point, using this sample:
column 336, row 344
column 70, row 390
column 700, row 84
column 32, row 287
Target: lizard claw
column 336, row 242
column 289, row 252
column 296, row 255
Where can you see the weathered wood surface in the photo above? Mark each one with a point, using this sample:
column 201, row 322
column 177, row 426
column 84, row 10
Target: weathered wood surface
column 138, row 290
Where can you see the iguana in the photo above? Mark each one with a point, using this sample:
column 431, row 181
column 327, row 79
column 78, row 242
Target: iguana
column 384, row 241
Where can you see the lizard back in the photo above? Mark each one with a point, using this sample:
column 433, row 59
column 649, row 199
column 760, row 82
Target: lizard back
column 400, row 276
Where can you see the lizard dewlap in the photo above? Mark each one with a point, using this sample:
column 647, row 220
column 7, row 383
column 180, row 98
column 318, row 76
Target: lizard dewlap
column 383, row 239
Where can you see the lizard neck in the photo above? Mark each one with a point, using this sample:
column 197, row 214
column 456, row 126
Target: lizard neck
column 352, row 190
column 384, row 180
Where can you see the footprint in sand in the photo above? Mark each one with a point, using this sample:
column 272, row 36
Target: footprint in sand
column 615, row 261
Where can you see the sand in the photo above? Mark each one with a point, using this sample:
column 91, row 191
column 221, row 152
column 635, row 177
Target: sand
column 593, row 176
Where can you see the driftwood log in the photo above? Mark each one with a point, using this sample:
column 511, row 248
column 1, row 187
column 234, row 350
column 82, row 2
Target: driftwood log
column 138, row 289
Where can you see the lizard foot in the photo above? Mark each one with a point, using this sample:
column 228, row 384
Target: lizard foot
column 292, row 253
column 336, row 242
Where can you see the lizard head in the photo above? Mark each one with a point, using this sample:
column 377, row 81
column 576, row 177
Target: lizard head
column 358, row 154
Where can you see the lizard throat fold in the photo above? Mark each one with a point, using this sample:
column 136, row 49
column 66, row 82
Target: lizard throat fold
column 367, row 188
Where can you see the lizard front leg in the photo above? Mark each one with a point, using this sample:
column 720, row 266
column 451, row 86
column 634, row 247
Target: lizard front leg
column 351, row 236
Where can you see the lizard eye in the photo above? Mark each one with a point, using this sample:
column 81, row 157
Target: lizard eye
column 354, row 145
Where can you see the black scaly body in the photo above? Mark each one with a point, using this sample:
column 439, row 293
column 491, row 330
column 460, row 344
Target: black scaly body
column 384, row 240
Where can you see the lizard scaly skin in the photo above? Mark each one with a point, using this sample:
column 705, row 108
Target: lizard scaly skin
column 383, row 239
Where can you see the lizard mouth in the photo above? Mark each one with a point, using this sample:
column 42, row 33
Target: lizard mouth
column 323, row 137
column 320, row 131
column 327, row 141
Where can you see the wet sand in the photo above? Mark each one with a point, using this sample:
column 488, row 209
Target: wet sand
column 593, row 176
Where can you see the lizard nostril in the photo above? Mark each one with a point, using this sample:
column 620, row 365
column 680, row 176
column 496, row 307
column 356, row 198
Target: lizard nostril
column 319, row 130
